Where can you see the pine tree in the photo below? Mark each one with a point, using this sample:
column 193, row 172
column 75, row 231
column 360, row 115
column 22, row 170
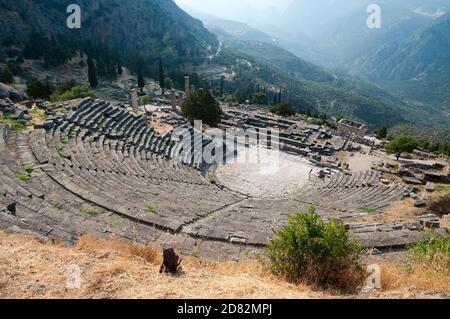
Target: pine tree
column 6, row 75
column 162, row 81
column 141, row 81
column 119, row 66
column 92, row 72
column 221, row 85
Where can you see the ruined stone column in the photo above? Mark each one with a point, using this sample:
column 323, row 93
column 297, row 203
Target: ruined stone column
column 134, row 101
column 174, row 99
column 192, row 89
column 186, row 86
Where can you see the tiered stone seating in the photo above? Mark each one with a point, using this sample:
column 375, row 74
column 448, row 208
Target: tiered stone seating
column 112, row 170
column 104, row 170
column 359, row 192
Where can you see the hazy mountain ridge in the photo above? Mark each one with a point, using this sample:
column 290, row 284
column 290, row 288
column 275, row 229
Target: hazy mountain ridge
column 312, row 87
column 415, row 67
column 426, row 50
column 409, row 56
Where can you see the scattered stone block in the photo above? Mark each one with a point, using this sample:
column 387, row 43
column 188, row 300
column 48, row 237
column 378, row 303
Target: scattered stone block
column 430, row 187
column 429, row 221
column 419, row 203
column 238, row 241
column 412, row 180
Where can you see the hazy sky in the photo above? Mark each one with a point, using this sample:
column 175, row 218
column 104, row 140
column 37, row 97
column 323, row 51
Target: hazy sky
column 236, row 9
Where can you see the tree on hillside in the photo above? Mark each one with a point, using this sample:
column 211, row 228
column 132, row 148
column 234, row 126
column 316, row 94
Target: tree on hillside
column 381, row 132
column 92, row 72
column 400, row 145
column 6, row 75
column 222, row 78
column 119, row 66
column 275, row 99
column 38, row 89
column 258, row 98
column 162, row 82
column 283, row 109
column 201, row 105
column 140, row 78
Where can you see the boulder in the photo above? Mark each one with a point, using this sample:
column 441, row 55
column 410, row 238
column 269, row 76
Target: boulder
column 430, row 187
column 412, row 180
column 49, row 111
column 16, row 95
column 413, row 196
column 8, row 110
column 7, row 91
column 47, row 125
column 29, row 104
column 5, row 103
column 4, row 93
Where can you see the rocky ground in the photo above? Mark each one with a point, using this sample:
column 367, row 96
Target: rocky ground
column 116, row 91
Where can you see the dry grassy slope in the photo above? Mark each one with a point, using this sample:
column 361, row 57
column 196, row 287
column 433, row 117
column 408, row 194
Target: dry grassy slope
column 31, row 268
column 438, row 203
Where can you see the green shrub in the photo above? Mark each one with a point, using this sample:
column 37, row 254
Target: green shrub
column 23, row 177
column 18, row 125
column 76, row 92
column 441, row 187
column 89, row 212
column 433, row 250
column 115, row 223
column 57, row 206
column 28, row 169
column 145, row 100
column 66, row 86
column 212, row 181
column 151, row 210
column 38, row 113
column 318, row 252
column 368, row 210
column 72, row 133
